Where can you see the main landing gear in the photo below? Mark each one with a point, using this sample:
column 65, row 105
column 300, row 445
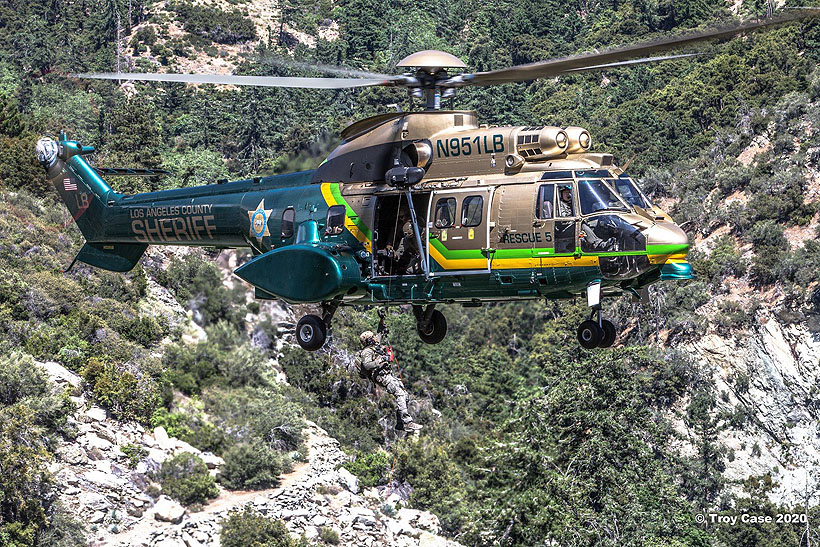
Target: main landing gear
column 430, row 324
column 311, row 330
column 598, row 333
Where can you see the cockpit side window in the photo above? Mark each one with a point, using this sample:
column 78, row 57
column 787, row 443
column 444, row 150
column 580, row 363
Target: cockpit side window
column 544, row 208
column 445, row 215
column 564, row 207
column 629, row 191
column 595, row 196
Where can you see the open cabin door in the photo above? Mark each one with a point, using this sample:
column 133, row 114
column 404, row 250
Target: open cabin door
column 458, row 231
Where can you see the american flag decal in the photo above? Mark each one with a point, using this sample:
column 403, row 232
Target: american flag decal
column 69, row 186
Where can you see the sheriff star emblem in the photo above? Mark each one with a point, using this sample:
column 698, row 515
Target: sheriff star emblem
column 259, row 221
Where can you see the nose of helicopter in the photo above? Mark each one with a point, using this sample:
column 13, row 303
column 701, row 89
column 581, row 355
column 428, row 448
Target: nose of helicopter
column 667, row 245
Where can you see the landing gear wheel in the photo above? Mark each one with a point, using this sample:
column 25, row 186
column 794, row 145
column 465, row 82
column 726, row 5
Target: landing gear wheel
column 610, row 334
column 590, row 334
column 435, row 330
column 311, row 332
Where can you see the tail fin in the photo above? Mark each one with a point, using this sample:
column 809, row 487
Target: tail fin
column 87, row 197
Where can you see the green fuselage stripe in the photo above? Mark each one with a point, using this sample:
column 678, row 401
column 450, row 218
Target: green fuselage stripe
column 667, row 249
column 548, row 251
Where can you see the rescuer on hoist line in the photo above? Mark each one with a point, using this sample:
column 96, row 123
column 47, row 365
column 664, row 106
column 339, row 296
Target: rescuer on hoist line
column 373, row 363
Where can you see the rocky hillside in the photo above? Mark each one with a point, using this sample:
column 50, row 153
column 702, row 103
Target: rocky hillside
column 106, row 478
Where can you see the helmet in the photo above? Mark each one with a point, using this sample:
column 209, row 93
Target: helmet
column 408, row 228
column 366, row 337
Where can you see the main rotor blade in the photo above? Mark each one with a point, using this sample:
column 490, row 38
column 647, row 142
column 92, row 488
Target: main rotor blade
column 325, row 69
column 266, row 81
column 554, row 67
column 632, row 62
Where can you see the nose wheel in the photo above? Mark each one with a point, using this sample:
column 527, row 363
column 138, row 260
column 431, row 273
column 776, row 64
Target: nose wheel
column 597, row 334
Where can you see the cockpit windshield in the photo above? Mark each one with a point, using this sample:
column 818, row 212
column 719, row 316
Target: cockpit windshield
column 595, row 196
column 630, row 193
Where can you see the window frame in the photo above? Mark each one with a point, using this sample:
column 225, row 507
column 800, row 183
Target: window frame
column 292, row 222
column 330, row 211
column 556, row 197
column 454, row 209
column 464, row 203
column 539, row 201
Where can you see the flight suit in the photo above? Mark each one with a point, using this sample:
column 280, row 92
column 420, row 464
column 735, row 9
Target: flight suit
column 373, row 365
column 407, row 255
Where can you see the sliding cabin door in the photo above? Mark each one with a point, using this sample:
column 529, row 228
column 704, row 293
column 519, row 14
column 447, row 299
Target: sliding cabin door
column 458, row 231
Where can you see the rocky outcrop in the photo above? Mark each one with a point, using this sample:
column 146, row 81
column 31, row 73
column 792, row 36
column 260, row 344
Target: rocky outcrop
column 772, row 374
column 121, row 505
column 316, row 494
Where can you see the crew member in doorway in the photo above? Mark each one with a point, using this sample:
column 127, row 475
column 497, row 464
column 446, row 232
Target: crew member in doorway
column 407, row 255
column 564, row 201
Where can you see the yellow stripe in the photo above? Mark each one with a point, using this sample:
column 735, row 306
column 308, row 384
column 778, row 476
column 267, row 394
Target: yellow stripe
column 660, row 259
column 349, row 224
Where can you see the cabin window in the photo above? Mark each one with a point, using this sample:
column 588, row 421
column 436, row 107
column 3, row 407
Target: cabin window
column 445, row 215
column 287, row 222
column 335, row 220
column 471, row 211
column 544, row 208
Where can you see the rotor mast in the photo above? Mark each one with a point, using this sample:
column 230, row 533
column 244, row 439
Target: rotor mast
column 430, row 66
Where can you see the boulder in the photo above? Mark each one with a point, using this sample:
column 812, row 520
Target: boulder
column 155, row 458
column 96, row 414
column 59, row 374
column 429, row 540
column 72, row 454
column 348, row 480
column 162, row 439
column 95, row 502
column 190, row 541
column 168, row 510
column 103, row 479
column 420, row 519
column 211, row 460
column 97, row 517
column 92, row 440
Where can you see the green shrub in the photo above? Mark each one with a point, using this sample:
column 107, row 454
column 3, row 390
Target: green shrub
column 134, row 453
column 21, row 381
column 371, row 469
column 145, row 331
column 251, row 467
column 197, row 284
column 224, row 27
column 248, row 528
column 329, row 535
column 251, row 415
column 192, row 428
column 185, row 478
column 127, row 396
column 223, row 359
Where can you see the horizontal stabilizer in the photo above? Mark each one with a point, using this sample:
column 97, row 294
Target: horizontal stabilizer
column 116, row 257
column 129, row 172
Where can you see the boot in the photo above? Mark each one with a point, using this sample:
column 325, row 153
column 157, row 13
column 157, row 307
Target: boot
column 412, row 426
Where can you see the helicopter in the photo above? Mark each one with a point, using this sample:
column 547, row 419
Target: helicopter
column 420, row 208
